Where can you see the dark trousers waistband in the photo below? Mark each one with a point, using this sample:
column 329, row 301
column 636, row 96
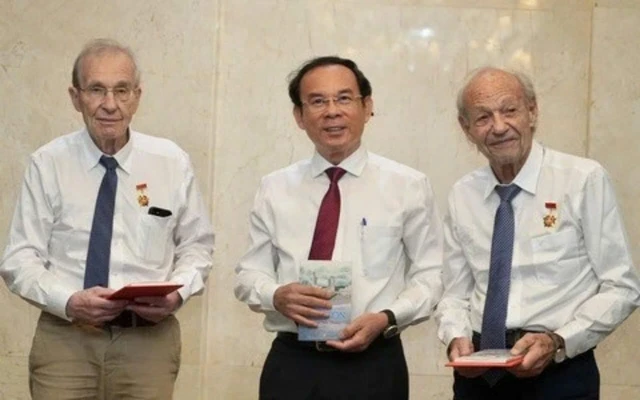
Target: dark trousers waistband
column 128, row 319
column 292, row 339
column 511, row 337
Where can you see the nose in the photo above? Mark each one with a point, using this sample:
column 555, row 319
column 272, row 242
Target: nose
column 109, row 101
column 500, row 125
column 332, row 108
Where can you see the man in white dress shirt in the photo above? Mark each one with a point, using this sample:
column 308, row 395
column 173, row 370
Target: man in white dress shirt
column 571, row 280
column 86, row 345
column 388, row 230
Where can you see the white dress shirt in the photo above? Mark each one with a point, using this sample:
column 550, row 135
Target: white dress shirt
column 45, row 258
column 389, row 230
column 574, row 276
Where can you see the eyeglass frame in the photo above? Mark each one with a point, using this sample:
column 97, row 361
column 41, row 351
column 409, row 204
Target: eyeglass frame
column 325, row 101
column 105, row 92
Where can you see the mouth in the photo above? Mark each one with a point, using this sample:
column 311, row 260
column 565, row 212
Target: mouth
column 108, row 121
column 503, row 142
column 333, row 130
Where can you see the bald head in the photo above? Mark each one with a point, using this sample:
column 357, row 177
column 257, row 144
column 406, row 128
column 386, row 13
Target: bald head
column 491, row 76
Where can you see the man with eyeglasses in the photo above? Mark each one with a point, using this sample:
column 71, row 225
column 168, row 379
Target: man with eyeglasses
column 101, row 208
column 536, row 258
column 344, row 206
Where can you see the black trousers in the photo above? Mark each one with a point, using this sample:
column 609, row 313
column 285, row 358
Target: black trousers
column 575, row 378
column 298, row 371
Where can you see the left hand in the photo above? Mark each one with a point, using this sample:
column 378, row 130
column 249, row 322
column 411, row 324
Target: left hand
column 359, row 334
column 539, row 350
column 156, row 308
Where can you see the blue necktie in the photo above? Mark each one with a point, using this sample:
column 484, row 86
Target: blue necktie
column 99, row 254
column 495, row 308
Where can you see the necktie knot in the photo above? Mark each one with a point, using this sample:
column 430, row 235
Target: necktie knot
column 335, row 173
column 507, row 193
column 109, row 163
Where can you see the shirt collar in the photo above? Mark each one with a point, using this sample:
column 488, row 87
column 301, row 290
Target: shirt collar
column 527, row 178
column 354, row 164
column 92, row 153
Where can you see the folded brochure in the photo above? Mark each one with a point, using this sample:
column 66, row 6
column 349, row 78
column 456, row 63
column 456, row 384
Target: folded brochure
column 493, row 358
column 144, row 289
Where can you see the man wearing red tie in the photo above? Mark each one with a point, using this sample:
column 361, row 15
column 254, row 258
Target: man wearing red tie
column 352, row 208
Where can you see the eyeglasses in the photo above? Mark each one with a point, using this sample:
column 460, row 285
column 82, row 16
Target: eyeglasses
column 318, row 104
column 99, row 93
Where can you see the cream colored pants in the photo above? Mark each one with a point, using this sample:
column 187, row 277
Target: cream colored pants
column 72, row 362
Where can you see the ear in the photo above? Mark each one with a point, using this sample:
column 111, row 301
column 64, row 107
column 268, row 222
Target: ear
column 297, row 114
column 368, row 108
column 75, row 98
column 533, row 113
column 464, row 124
column 137, row 93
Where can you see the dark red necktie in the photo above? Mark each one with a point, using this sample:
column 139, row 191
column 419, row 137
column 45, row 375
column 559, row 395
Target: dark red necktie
column 324, row 236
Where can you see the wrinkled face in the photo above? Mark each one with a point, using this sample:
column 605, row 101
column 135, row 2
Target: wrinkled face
column 107, row 118
column 335, row 128
column 499, row 120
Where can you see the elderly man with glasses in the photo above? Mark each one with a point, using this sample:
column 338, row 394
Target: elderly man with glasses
column 102, row 208
column 346, row 231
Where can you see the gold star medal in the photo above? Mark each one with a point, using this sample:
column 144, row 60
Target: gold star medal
column 550, row 219
column 143, row 200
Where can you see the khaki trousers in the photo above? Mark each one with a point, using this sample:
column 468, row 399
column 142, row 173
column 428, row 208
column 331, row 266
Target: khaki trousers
column 68, row 361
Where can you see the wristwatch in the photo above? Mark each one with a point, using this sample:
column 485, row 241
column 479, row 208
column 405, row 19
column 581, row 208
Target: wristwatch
column 558, row 343
column 392, row 326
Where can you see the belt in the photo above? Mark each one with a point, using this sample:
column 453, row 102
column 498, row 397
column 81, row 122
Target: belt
column 128, row 319
column 511, row 336
column 292, row 339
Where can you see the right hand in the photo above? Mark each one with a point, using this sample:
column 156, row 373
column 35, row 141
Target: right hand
column 91, row 306
column 301, row 303
column 463, row 346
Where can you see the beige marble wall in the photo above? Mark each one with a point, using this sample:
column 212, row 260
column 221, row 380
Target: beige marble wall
column 214, row 81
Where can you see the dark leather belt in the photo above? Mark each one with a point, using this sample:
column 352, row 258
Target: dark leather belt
column 128, row 319
column 511, row 337
column 292, row 339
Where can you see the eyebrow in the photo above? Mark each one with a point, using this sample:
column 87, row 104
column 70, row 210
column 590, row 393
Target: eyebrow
column 317, row 94
column 118, row 84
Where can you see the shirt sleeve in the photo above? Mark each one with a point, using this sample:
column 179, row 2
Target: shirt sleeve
column 25, row 264
column 194, row 240
column 256, row 279
column 422, row 238
column 452, row 313
column 608, row 251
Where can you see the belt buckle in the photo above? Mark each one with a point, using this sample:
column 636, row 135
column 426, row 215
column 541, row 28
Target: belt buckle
column 324, row 348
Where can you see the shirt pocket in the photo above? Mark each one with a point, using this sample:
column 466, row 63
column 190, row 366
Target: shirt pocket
column 381, row 250
column 555, row 257
column 153, row 234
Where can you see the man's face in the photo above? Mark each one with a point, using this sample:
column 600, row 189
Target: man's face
column 499, row 120
column 334, row 129
column 107, row 118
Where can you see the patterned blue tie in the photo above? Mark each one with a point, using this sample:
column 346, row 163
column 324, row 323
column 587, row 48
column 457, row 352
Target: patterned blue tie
column 495, row 307
column 99, row 254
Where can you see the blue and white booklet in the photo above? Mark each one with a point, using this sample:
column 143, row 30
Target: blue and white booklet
column 335, row 276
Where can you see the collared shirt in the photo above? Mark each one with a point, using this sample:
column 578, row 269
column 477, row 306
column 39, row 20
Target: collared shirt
column 572, row 271
column 389, row 230
column 44, row 261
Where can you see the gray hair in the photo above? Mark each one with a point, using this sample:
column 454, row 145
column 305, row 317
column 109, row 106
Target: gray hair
column 523, row 79
column 99, row 46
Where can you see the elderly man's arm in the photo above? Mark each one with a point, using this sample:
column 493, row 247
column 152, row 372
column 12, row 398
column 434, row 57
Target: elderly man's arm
column 608, row 251
column 452, row 313
column 24, row 266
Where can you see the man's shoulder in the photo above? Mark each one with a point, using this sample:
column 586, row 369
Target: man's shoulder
column 560, row 160
column 393, row 167
column 474, row 180
column 291, row 171
column 61, row 146
column 156, row 145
